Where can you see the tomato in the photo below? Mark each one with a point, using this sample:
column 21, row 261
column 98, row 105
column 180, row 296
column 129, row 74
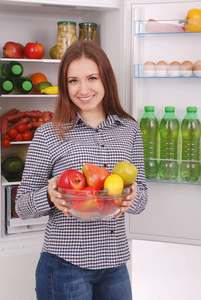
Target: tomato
column 14, row 214
column 26, row 136
column 18, row 137
column 6, row 136
column 92, row 204
column 71, row 179
column 21, row 127
column 5, row 143
column 34, row 50
column 12, row 133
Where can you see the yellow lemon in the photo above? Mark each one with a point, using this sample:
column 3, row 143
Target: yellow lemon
column 114, row 184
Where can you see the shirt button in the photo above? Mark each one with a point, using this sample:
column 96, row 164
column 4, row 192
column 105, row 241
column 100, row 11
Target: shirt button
column 105, row 165
column 112, row 231
column 96, row 130
column 102, row 146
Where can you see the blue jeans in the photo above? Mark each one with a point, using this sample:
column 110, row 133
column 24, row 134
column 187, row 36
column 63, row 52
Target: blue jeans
column 57, row 279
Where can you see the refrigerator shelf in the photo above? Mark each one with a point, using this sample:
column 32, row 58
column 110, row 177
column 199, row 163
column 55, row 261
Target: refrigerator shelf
column 28, row 96
column 13, row 223
column 7, row 183
column 147, row 27
column 20, row 143
column 141, row 72
column 177, row 181
column 54, row 61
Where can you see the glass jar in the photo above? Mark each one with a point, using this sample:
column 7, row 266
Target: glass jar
column 66, row 36
column 88, row 31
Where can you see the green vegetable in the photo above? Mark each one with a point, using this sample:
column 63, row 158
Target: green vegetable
column 12, row 168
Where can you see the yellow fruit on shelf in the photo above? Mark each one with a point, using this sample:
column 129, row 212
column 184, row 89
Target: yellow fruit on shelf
column 51, row 90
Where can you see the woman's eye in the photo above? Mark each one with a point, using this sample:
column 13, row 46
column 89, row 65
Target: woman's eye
column 92, row 78
column 72, row 81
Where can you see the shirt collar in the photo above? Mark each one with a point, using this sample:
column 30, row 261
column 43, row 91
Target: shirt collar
column 111, row 120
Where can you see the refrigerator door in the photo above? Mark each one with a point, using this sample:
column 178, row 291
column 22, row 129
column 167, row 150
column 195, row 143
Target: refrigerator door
column 172, row 213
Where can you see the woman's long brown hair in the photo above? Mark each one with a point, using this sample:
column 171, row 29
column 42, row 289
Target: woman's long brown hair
column 66, row 110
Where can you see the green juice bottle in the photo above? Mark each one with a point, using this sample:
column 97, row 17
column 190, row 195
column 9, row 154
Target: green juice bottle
column 23, row 85
column 6, row 86
column 12, row 69
column 169, row 131
column 191, row 132
column 149, row 128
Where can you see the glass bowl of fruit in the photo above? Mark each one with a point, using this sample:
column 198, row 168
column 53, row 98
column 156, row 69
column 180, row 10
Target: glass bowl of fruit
column 93, row 204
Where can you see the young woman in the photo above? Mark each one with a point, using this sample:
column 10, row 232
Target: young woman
column 82, row 260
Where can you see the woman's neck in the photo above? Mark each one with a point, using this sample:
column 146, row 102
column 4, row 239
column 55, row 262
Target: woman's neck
column 93, row 118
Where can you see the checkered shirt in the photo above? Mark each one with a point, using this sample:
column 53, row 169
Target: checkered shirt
column 88, row 244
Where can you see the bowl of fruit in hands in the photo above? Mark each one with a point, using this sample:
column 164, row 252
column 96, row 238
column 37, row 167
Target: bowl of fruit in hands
column 96, row 194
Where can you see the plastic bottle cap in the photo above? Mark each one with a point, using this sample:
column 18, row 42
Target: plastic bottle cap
column 149, row 108
column 87, row 24
column 27, row 86
column 66, row 22
column 191, row 109
column 169, row 109
column 7, row 85
column 17, row 70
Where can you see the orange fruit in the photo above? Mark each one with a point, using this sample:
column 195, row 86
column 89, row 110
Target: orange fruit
column 37, row 78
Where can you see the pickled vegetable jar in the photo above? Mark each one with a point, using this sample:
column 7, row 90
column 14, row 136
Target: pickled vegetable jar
column 88, row 31
column 66, row 35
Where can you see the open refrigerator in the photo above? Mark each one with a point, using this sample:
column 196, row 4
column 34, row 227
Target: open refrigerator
column 25, row 21
column 173, row 211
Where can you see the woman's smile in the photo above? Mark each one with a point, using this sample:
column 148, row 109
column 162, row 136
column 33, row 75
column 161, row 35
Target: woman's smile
column 86, row 99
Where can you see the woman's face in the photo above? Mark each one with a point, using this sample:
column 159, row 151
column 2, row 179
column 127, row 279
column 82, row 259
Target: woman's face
column 85, row 86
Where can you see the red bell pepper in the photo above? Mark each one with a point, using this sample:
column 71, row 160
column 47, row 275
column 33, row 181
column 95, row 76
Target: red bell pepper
column 88, row 201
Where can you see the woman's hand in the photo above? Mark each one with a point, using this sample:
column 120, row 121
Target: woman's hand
column 55, row 198
column 128, row 201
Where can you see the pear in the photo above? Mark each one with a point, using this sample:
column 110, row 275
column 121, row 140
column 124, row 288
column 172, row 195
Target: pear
column 95, row 175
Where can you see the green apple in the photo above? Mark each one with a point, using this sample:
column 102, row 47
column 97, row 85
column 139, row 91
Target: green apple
column 126, row 170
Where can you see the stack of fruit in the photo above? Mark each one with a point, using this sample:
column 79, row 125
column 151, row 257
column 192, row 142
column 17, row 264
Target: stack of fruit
column 96, row 194
column 42, row 85
column 17, row 50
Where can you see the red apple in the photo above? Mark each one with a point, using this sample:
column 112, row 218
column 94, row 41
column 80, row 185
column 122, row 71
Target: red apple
column 13, row 50
column 71, row 179
column 34, row 50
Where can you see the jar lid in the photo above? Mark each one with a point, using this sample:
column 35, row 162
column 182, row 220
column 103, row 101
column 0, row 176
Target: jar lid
column 66, row 22
column 87, row 24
